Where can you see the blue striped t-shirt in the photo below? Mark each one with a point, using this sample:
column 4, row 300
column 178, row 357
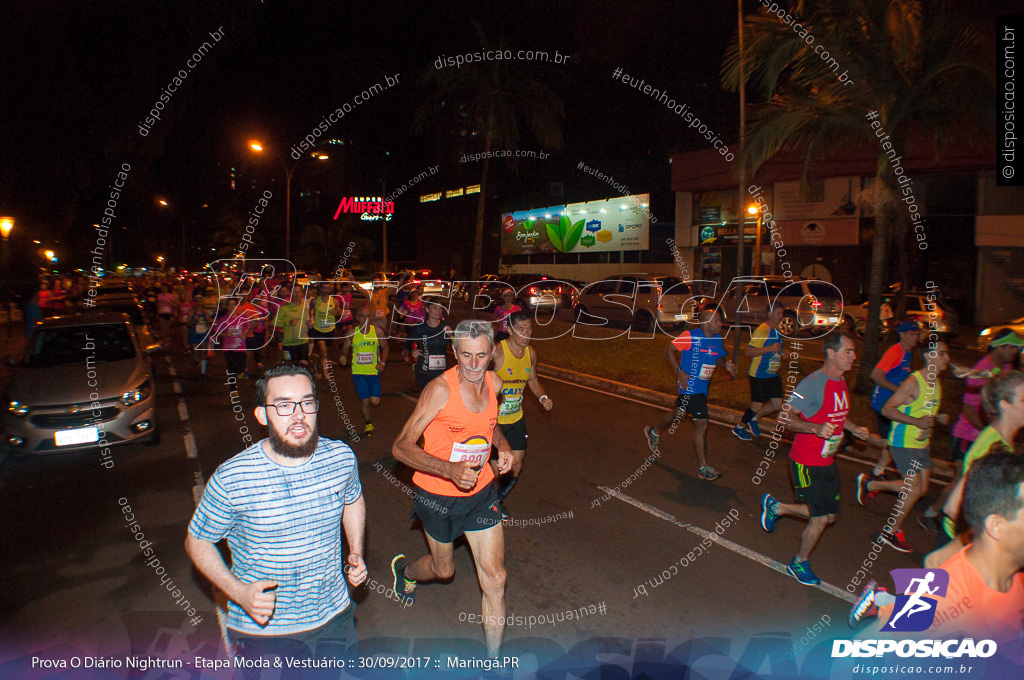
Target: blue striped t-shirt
column 283, row 524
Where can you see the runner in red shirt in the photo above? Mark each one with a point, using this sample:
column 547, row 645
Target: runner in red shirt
column 822, row 401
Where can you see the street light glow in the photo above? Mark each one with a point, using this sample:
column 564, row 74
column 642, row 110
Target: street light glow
column 751, row 209
column 6, row 224
column 255, row 145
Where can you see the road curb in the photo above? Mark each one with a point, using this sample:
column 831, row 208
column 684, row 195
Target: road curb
column 652, row 397
column 718, row 413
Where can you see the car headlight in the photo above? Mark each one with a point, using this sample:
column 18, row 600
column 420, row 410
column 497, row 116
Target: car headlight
column 138, row 394
column 17, row 408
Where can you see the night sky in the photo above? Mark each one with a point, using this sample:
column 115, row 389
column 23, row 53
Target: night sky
column 79, row 78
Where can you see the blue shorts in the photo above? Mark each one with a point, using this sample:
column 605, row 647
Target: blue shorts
column 367, row 385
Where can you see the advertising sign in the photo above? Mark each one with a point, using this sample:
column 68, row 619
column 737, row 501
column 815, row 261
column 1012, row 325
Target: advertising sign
column 614, row 224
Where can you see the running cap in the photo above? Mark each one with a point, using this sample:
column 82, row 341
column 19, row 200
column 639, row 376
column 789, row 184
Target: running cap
column 908, row 325
column 1010, row 338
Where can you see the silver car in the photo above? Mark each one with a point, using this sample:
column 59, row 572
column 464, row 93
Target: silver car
column 809, row 306
column 84, row 383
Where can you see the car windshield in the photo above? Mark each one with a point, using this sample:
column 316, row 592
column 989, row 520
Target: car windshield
column 78, row 344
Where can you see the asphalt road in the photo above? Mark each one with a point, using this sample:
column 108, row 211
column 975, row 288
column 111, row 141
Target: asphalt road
column 597, row 530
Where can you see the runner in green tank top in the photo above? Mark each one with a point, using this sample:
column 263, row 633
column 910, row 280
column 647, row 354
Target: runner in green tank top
column 913, row 409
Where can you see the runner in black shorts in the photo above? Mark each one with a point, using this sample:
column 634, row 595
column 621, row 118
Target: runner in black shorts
column 822, row 402
column 766, row 393
column 457, row 417
column 693, row 356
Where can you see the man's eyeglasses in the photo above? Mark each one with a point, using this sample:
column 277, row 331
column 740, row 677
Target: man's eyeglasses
column 286, row 408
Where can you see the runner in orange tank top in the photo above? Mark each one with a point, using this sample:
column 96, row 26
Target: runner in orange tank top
column 457, row 418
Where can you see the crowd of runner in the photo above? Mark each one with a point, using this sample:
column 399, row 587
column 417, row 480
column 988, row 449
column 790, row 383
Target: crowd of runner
column 467, row 438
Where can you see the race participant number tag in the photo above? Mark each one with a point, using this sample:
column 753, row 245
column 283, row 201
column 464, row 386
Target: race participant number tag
column 706, row 371
column 475, row 453
column 773, row 365
column 325, row 322
column 201, row 328
column 364, row 358
column 436, row 362
column 831, row 445
column 511, row 405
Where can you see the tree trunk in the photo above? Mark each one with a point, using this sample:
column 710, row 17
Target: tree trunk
column 883, row 225
column 478, row 238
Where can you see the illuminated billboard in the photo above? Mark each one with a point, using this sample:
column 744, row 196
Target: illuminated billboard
column 613, row 224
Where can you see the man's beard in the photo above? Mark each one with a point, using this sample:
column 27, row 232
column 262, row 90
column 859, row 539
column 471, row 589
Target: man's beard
column 286, row 449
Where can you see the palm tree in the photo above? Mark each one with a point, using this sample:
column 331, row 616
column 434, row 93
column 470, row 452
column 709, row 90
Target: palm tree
column 323, row 250
column 918, row 63
column 492, row 98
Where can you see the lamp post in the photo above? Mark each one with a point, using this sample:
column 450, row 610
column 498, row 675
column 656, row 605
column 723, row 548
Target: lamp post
column 755, row 210
column 6, row 225
column 256, row 146
column 165, row 204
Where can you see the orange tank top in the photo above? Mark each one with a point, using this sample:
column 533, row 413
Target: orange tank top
column 457, row 434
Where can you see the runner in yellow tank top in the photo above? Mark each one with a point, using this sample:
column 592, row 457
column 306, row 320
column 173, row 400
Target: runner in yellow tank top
column 369, row 357
column 914, row 410
column 515, row 362
column 324, row 312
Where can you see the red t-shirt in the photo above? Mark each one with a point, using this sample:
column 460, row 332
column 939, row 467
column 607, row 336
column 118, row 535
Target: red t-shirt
column 819, row 399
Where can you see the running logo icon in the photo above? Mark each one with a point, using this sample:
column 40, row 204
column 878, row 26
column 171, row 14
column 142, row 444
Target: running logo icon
column 914, row 610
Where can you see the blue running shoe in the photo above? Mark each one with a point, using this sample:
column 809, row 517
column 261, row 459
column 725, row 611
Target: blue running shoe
column 652, row 439
column 769, row 503
column 404, row 588
column 801, row 571
column 740, row 433
column 753, row 428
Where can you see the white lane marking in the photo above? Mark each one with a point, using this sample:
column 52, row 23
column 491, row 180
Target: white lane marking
column 177, row 387
column 852, row 459
column 191, row 450
column 182, row 411
column 725, row 543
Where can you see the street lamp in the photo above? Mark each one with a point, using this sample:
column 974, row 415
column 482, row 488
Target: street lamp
column 163, row 202
column 256, row 146
column 6, row 225
column 755, row 210
column 160, row 259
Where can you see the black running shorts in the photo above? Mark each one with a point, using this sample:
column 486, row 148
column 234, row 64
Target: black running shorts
column 694, row 404
column 515, row 434
column 817, row 486
column 763, row 390
column 296, row 352
column 445, row 518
